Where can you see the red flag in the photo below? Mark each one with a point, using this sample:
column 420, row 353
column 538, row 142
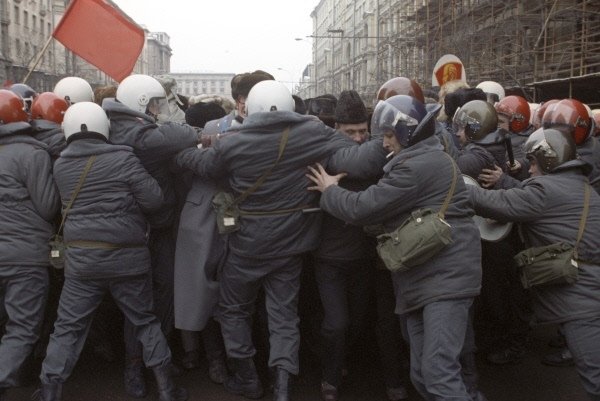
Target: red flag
column 103, row 35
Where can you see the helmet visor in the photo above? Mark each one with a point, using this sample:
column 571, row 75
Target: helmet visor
column 158, row 106
column 462, row 121
column 387, row 118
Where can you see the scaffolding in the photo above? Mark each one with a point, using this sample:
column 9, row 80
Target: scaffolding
column 514, row 42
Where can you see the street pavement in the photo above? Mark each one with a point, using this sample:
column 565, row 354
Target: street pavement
column 526, row 381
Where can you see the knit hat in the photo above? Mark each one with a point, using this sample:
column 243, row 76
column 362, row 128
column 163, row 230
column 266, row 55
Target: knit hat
column 197, row 115
column 350, row 108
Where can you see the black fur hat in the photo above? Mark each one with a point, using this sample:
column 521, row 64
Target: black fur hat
column 242, row 83
column 460, row 97
column 197, row 115
column 350, row 108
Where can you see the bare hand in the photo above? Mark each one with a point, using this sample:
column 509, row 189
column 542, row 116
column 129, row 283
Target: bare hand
column 489, row 177
column 322, row 180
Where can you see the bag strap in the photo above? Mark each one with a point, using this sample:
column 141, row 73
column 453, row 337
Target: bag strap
column 263, row 177
column 446, row 203
column 582, row 221
column 85, row 172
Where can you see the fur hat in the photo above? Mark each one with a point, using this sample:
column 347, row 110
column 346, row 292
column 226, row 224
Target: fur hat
column 300, row 106
column 460, row 97
column 242, row 83
column 197, row 115
column 350, row 108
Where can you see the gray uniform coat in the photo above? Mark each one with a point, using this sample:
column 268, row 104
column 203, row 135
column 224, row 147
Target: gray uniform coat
column 241, row 158
column 51, row 134
column 155, row 145
column 109, row 208
column 28, row 198
column 419, row 177
column 589, row 151
column 550, row 207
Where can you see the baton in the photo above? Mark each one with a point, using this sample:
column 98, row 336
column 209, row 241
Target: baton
column 509, row 151
column 311, row 210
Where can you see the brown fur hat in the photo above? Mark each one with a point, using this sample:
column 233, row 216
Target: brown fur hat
column 242, row 83
column 103, row 92
column 350, row 108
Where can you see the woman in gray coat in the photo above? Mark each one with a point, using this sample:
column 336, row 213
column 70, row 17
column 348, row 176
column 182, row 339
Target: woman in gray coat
column 433, row 298
column 550, row 206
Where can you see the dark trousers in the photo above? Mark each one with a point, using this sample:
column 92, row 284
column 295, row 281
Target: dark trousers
column 162, row 253
column 393, row 352
column 344, row 290
column 241, row 280
column 78, row 301
column 25, row 290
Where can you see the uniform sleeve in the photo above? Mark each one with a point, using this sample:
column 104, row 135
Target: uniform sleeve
column 364, row 161
column 474, row 160
column 518, row 204
column 146, row 190
column 394, row 194
column 164, row 141
column 202, row 162
column 40, row 184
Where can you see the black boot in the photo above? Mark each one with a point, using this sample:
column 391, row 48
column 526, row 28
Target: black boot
column 167, row 391
column 135, row 384
column 48, row 392
column 245, row 380
column 281, row 388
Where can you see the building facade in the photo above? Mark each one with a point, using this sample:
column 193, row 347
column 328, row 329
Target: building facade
column 523, row 45
column 191, row 84
column 26, row 27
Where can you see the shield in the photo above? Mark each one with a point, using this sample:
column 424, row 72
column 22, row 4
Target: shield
column 490, row 230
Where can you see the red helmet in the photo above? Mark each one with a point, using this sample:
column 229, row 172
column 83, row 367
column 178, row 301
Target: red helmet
column 400, row 86
column 49, row 106
column 517, row 110
column 536, row 121
column 571, row 117
column 12, row 107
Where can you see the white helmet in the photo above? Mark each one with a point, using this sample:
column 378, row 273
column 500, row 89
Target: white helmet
column 137, row 90
column 269, row 96
column 85, row 117
column 493, row 88
column 74, row 90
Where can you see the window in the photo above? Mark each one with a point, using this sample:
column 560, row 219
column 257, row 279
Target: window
column 25, row 19
column 34, row 22
column 17, row 15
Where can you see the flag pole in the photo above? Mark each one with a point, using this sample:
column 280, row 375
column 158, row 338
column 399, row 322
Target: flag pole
column 37, row 60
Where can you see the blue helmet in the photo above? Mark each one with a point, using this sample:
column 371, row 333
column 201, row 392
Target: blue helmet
column 406, row 116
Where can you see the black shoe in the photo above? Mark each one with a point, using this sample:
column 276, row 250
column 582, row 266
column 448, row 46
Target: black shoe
column 559, row 358
column 135, row 384
column 167, row 391
column 217, row 370
column 513, row 354
column 191, row 360
column 281, row 388
column 245, row 380
column 48, row 392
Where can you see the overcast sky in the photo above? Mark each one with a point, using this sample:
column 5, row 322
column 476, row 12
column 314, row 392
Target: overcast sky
column 231, row 36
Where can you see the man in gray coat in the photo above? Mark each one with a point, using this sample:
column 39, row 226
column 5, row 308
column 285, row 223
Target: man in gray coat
column 109, row 193
column 28, row 203
column 435, row 296
column 274, row 230
column 132, row 114
column 549, row 207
